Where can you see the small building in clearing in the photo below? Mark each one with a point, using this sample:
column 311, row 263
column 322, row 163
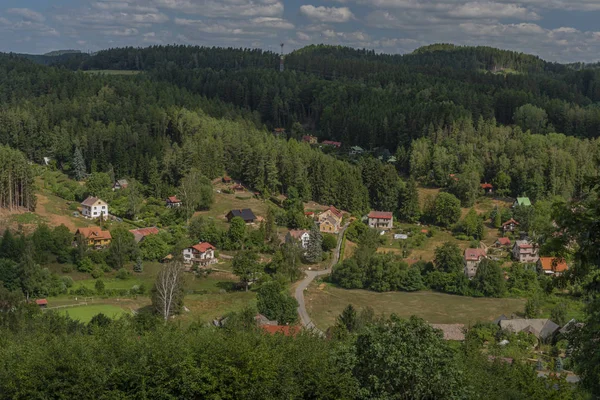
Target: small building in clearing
column 93, row 207
column 173, row 202
column 522, row 201
column 552, row 265
column 201, row 254
column 331, row 143
column 310, row 139
column 141, row 233
column 510, row 225
column 381, row 220
column 487, row 188
column 95, row 236
column 502, row 242
column 42, row 303
column 120, row 184
column 246, row 214
column 300, row 236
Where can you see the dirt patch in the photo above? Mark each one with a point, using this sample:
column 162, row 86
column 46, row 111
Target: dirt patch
column 53, row 219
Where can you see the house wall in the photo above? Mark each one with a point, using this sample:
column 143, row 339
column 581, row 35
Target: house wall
column 381, row 223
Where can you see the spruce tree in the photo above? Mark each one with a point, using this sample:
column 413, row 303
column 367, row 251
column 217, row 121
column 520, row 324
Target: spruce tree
column 314, row 251
column 78, row 165
column 139, row 266
column 498, row 219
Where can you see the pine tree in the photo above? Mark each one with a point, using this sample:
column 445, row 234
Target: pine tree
column 314, row 251
column 497, row 219
column 139, row 266
column 78, row 165
column 408, row 206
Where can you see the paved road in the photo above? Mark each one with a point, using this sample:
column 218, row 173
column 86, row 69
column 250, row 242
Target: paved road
column 310, row 276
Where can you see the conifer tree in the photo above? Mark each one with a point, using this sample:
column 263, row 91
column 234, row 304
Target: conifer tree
column 314, row 251
column 139, row 266
column 78, row 165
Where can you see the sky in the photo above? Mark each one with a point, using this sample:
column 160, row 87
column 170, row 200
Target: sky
column 556, row 30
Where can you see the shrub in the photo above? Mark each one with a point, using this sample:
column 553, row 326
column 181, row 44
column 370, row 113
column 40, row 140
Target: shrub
column 85, row 265
column 123, row 274
column 83, row 291
column 66, row 269
column 97, row 273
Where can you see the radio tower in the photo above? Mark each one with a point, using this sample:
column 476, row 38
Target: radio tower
column 281, row 59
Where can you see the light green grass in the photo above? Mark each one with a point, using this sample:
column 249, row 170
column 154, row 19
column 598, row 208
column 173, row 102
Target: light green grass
column 326, row 304
column 223, row 203
column 86, row 313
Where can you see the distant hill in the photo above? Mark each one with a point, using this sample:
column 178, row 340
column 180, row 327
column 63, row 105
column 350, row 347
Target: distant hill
column 57, row 53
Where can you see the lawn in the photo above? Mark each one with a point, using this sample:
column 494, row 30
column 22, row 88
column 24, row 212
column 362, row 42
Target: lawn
column 85, row 313
column 325, row 304
column 223, row 203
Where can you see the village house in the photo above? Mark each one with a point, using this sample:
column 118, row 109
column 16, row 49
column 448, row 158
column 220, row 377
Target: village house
column 226, row 179
column 487, row 188
column 120, row 184
column 238, row 188
column 42, row 303
column 510, row 225
column 141, row 233
column 540, row 328
column 381, row 220
column 525, row 252
column 310, row 139
column 173, row 202
column 300, row 236
column 246, row 214
column 94, row 237
column 93, row 207
column 522, row 201
column 330, row 220
column 552, row 265
column 473, row 257
column 356, row 150
column 279, row 131
column 201, row 254
column 502, row 242
column 331, row 143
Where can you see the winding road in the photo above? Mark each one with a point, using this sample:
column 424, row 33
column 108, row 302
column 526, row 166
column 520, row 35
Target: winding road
column 310, row 276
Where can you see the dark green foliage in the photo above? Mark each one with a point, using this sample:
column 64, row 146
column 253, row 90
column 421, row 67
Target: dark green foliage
column 349, row 274
column 100, row 286
column 122, row 248
column 449, row 258
column 559, row 314
column 237, row 232
column 276, row 304
column 355, row 230
column 78, row 165
column 246, row 266
column 408, row 202
column 329, row 242
column 532, row 307
column 489, row 279
column 139, row 265
column 16, row 181
column 123, row 274
column 446, row 210
column 314, row 250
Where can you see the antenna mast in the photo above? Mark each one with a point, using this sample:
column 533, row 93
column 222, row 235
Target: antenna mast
column 281, row 59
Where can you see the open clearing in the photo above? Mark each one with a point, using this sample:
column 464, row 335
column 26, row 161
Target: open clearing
column 85, row 313
column 325, row 304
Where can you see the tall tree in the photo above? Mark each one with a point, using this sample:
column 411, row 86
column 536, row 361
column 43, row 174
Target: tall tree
column 314, row 249
column 246, row 267
column 168, row 290
column 78, row 165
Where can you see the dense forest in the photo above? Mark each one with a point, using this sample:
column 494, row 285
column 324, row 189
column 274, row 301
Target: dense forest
column 16, row 180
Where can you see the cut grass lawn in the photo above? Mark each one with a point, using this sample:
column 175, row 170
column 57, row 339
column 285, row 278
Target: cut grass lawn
column 223, row 203
column 325, row 305
column 85, row 313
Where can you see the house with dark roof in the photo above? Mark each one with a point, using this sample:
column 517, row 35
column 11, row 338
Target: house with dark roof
column 246, row 214
column 552, row 265
column 173, row 202
column 201, row 254
column 226, row 179
column 472, row 259
column 540, row 328
column 381, row 220
column 141, row 233
column 510, row 226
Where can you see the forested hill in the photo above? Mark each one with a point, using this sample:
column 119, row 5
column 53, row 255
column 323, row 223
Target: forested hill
column 373, row 100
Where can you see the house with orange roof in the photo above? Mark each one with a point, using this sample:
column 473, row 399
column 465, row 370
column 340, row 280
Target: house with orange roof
column 552, row 265
column 173, row 202
column 201, row 254
column 487, row 188
column 510, row 226
column 285, row 330
column 95, row 236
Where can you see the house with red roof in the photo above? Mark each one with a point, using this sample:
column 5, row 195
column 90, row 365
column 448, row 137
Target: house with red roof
column 502, row 242
column 473, row 257
column 524, row 251
column 43, row 303
column 285, row 330
column 331, row 143
column 94, row 236
column 141, row 233
column 381, row 220
column 510, row 226
column 201, row 254
column 310, row 139
column 552, row 265
column 173, row 201
column 487, row 188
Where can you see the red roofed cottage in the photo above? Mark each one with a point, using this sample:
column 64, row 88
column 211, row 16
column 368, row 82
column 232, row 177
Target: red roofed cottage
column 381, row 220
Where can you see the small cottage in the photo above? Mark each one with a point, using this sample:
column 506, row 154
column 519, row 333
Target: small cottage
column 201, row 254
column 487, row 188
column 510, row 226
column 120, row 184
column 141, row 233
column 522, row 201
column 552, row 265
column 42, row 303
column 310, row 139
column 173, row 202
column 381, row 220
column 502, row 242
column 94, row 237
column 246, row 214
column 331, row 143
column 299, row 236
column 93, row 207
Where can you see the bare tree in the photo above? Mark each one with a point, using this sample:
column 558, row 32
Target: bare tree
column 167, row 294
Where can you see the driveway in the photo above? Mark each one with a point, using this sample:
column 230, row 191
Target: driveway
column 310, row 276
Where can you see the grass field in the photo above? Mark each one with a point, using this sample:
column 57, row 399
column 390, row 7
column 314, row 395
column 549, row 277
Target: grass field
column 326, row 304
column 85, row 313
column 223, row 203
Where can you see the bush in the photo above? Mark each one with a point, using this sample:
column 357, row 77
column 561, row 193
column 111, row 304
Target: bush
column 100, row 286
column 276, row 304
column 97, row 273
column 68, row 281
column 329, row 242
column 85, row 265
column 123, row 274
column 83, row 291
column 66, row 269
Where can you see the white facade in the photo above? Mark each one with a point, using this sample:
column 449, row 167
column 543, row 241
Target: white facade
column 199, row 255
column 94, row 208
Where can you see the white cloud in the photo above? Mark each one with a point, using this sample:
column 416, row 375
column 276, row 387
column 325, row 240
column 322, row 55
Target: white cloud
column 303, row 36
column 27, row 14
column 122, row 32
column 327, row 14
column 488, row 9
column 225, row 8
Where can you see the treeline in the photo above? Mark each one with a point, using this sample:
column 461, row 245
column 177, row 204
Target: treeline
column 372, row 100
column 16, row 180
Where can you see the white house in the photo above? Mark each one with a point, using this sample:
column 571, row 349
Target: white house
column 93, row 207
column 300, row 235
column 472, row 258
column 525, row 251
column 381, row 220
column 202, row 254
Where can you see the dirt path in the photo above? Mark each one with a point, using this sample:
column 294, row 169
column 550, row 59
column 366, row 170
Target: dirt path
column 53, row 219
column 310, row 276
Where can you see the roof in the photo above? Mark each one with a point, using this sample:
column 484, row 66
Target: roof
column 541, row 328
column 262, row 320
column 504, row 241
column 523, row 201
column 380, row 215
column 90, row 201
column 286, row 330
column 571, row 325
column 309, row 213
column 94, row 233
column 297, row 233
column 246, row 214
column 510, row 221
column 331, row 143
column 334, row 211
column 41, row 302
column 173, row 199
column 122, row 182
column 425, row 231
column 308, row 138
column 486, row 186
column 141, row 233
column 203, row 247
column 451, row 331
column 226, row 178
column 554, row 264
column 524, row 244
column 279, row 130
column 500, row 318
column 357, row 148
column 474, row 254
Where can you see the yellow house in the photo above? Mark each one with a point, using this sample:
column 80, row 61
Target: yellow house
column 95, row 237
column 330, row 220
